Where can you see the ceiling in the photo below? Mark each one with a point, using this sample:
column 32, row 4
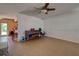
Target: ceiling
column 13, row 8
column 29, row 8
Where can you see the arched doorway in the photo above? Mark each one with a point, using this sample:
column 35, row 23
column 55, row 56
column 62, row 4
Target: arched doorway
column 6, row 25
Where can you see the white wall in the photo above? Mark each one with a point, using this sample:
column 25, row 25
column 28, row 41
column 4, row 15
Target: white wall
column 27, row 22
column 64, row 27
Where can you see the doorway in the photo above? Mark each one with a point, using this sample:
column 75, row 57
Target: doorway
column 3, row 29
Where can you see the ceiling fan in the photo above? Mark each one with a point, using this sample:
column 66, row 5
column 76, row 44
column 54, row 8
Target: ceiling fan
column 45, row 8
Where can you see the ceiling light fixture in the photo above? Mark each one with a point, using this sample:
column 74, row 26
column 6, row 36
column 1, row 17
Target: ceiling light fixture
column 44, row 11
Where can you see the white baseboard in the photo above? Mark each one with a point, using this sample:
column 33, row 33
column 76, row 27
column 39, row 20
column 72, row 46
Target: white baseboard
column 66, row 39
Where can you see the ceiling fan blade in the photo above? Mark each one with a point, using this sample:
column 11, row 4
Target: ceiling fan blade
column 51, row 9
column 46, row 5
